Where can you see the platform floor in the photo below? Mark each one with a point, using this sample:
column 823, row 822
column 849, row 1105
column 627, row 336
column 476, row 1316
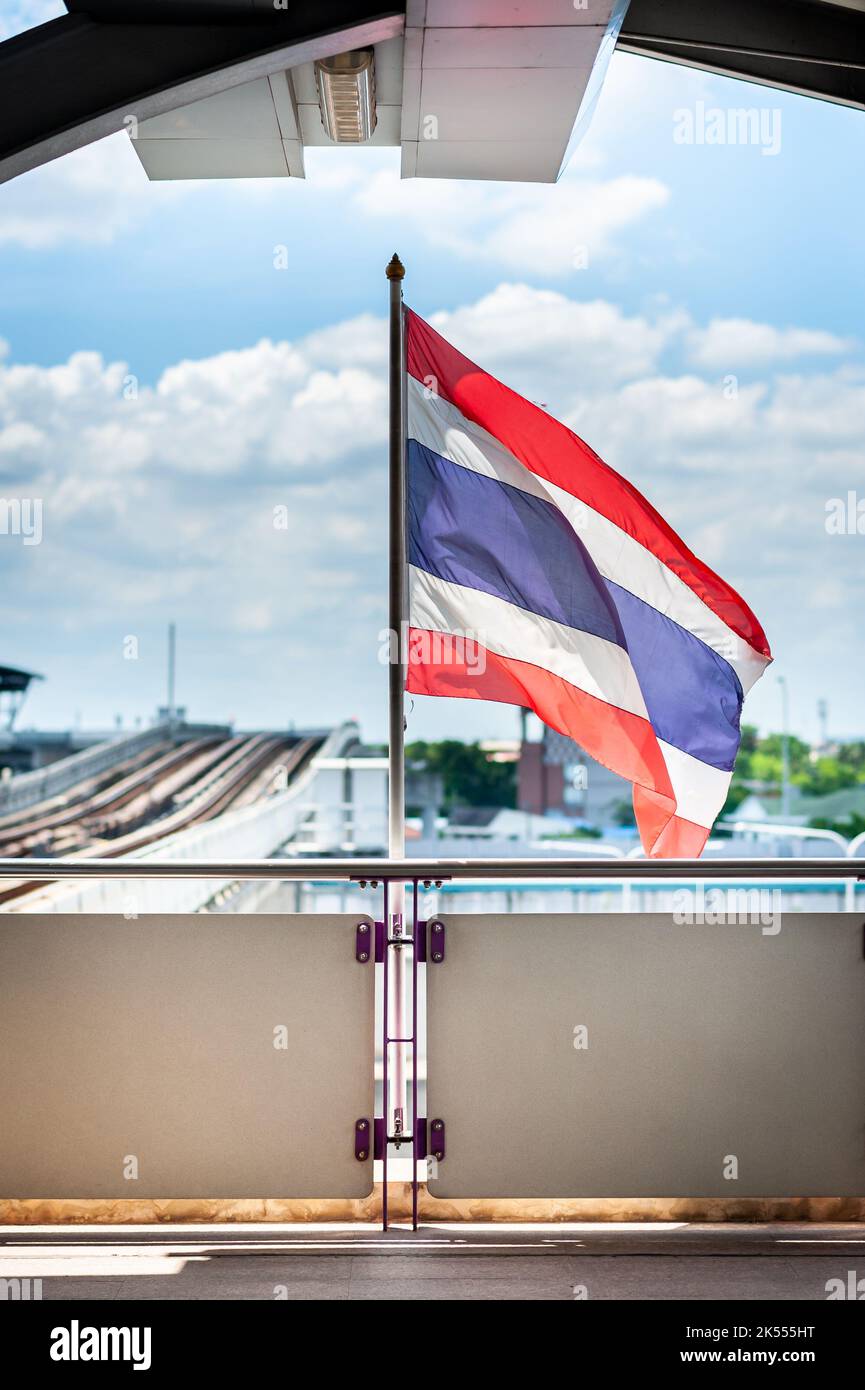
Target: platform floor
column 665, row 1261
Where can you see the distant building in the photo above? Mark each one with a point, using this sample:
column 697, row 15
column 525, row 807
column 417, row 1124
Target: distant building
column 497, row 829
column 839, row 805
column 555, row 776
column 804, row 808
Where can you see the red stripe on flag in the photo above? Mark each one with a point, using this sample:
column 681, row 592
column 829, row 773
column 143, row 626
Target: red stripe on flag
column 622, row 742
column 665, row 836
column 552, row 451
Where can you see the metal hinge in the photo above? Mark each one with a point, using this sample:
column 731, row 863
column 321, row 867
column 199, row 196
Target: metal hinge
column 369, row 942
column 437, row 1147
column 363, row 942
column 436, row 941
column 362, row 1140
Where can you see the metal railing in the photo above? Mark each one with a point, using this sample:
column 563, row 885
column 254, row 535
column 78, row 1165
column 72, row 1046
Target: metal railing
column 432, row 870
column 402, row 931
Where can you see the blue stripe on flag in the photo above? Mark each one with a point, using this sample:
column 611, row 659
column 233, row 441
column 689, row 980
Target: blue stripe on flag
column 693, row 695
column 473, row 530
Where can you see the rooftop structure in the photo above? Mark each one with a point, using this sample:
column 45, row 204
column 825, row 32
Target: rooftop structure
column 466, row 89
column 14, row 685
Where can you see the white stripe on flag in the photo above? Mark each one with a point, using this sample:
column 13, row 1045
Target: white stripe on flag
column 700, row 790
column 441, row 427
column 591, row 663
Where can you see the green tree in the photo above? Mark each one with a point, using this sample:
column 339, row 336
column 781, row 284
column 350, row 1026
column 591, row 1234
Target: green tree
column 470, row 776
column 850, row 826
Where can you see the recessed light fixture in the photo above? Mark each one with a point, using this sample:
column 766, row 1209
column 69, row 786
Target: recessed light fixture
column 346, row 96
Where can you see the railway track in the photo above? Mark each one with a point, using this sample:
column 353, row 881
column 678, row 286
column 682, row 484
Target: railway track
column 34, row 831
column 214, row 780
column 44, row 812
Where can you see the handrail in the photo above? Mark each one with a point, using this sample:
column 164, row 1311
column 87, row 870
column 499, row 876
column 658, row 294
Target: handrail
column 404, row 870
column 611, row 851
column 857, row 843
column 795, row 832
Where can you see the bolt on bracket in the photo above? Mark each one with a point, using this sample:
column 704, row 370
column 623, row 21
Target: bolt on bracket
column 364, row 943
column 437, row 1147
column 436, row 941
column 362, row 1140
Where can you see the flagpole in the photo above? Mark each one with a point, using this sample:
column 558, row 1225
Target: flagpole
column 398, row 606
column 394, row 1103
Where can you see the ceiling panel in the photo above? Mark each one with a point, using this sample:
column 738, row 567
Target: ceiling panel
column 522, row 161
column 511, row 48
column 212, row 159
column 241, row 113
column 495, row 13
column 480, row 104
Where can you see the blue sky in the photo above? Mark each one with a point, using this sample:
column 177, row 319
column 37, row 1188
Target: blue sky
column 164, row 387
column 763, row 237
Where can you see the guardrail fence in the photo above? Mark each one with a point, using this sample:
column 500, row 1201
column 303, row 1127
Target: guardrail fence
column 693, row 1053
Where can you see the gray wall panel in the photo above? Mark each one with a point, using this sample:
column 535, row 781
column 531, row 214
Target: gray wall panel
column 704, row 1041
column 154, row 1038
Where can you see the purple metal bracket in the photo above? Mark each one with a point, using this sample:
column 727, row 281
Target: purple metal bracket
column 419, row 941
column 437, row 1144
column 378, row 1138
column 421, row 1148
column 363, row 942
column 380, row 940
column 436, row 932
column 362, row 1140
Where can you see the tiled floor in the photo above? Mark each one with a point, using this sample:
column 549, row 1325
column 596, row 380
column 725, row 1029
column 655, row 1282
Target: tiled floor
column 459, row 1262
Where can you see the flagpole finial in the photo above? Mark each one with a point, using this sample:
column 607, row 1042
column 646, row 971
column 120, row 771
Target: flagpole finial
column 395, row 270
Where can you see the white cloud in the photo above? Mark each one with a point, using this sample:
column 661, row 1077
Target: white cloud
column 358, row 342
column 552, row 347
column 544, row 229
column 91, row 195
column 682, row 416
column 553, row 232
column 732, row 344
column 164, row 504
column 97, row 193
column 169, row 490
column 20, row 438
column 822, row 412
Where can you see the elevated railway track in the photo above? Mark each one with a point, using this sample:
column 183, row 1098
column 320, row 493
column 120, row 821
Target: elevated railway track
column 162, row 791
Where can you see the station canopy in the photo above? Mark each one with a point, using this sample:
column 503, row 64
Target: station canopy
column 466, row 89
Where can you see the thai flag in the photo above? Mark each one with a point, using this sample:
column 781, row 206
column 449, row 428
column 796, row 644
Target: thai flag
column 539, row 577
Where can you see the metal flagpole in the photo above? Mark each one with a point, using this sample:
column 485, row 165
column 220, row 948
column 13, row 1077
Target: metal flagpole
column 397, row 573
column 394, row 1105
